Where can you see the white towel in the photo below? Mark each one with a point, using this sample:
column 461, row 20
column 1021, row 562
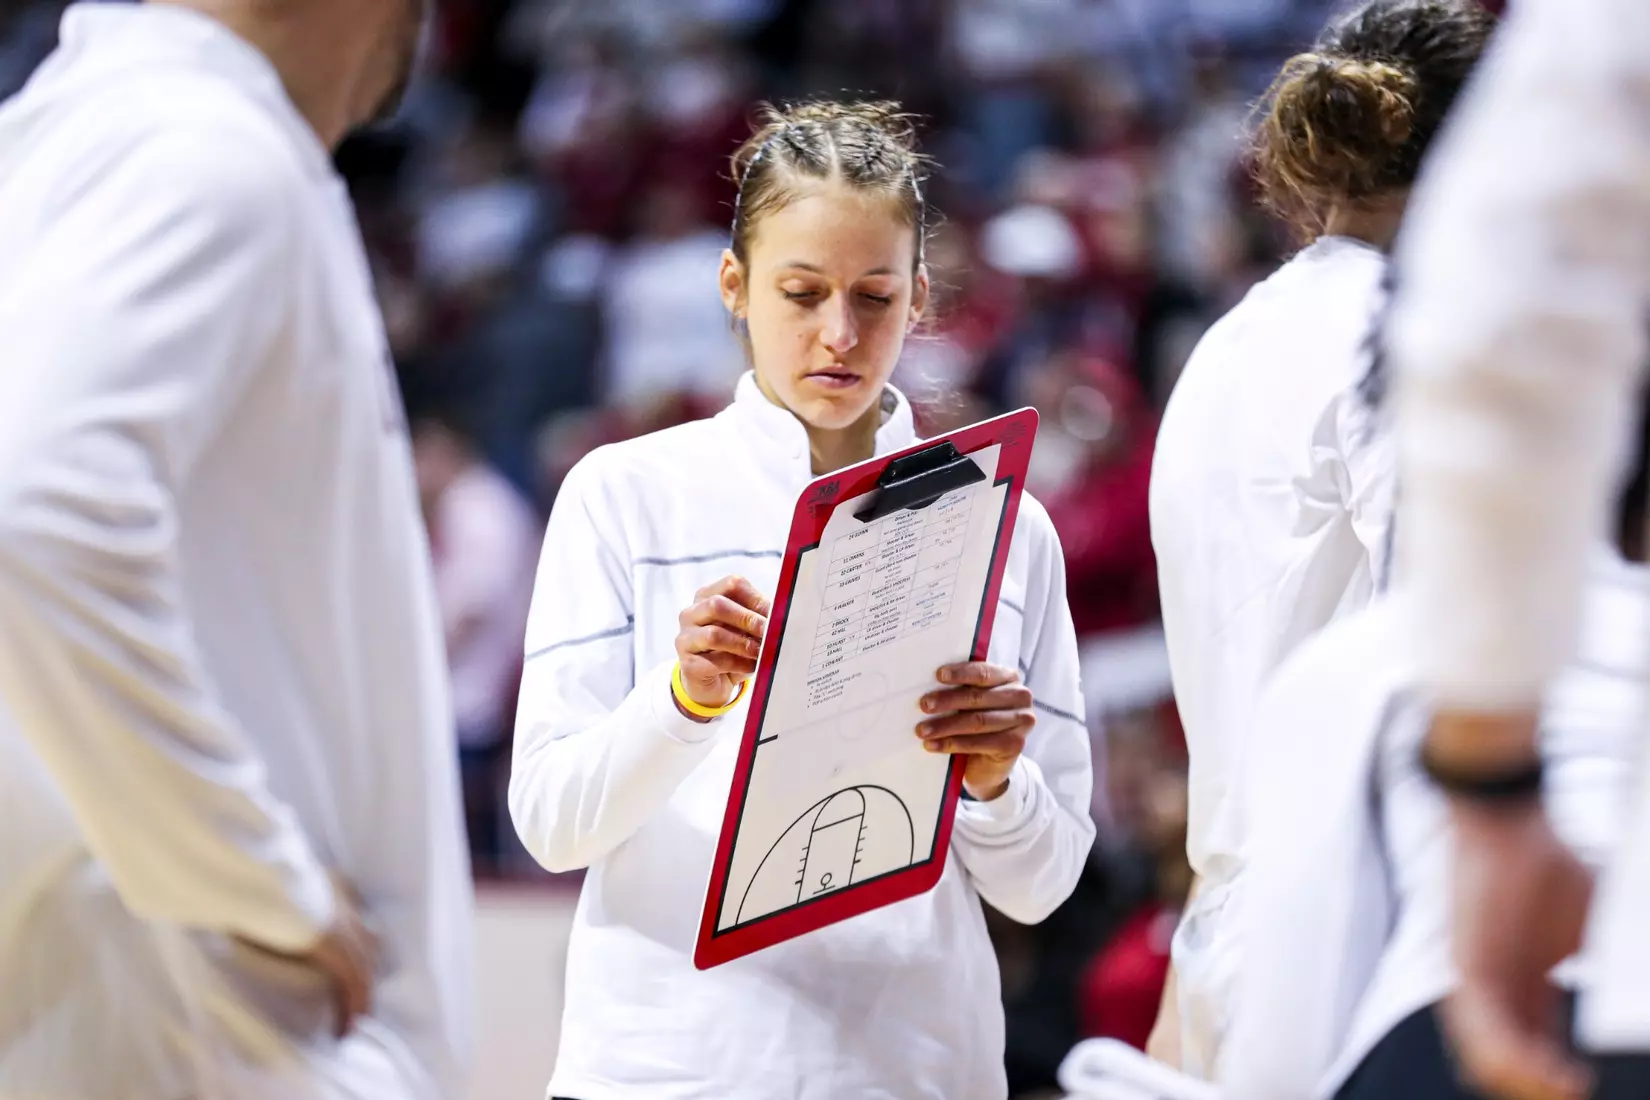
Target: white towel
column 1106, row 1069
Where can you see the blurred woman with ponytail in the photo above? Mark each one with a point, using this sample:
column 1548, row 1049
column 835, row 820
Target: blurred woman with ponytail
column 1272, row 482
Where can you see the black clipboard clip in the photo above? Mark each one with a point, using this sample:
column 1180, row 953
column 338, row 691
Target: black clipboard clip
column 918, row 480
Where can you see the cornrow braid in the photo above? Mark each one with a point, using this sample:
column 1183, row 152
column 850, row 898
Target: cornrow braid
column 867, row 146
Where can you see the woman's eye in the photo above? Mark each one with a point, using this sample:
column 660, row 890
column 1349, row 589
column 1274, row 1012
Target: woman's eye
column 880, row 299
column 801, row 295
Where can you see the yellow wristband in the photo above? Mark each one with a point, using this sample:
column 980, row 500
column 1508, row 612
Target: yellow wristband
column 699, row 710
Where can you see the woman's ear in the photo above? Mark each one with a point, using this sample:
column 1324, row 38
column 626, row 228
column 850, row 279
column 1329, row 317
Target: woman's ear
column 732, row 279
column 919, row 297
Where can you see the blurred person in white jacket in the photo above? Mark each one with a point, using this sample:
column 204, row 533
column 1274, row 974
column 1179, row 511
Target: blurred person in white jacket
column 1270, row 490
column 1346, row 929
column 1345, row 926
column 661, row 554
column 230, row 865
column 1519, row 344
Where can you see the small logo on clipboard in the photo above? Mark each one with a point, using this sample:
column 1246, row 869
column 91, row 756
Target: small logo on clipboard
column 823, row 497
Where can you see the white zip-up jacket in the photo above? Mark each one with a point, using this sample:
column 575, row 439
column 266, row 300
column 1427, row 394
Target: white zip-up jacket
column 1519, row 345
column 219, row 647
column 1270, row 498
column 901, row 1002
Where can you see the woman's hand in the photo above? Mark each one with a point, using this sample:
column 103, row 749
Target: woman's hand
column 346, row 955
column 984, row 714
column 1520, row 899
column 720, row 640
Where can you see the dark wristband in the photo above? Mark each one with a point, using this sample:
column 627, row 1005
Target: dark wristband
column 1509, row 785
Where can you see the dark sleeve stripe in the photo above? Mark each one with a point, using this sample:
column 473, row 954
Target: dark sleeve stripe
column 696, row 559
column 1058, row 713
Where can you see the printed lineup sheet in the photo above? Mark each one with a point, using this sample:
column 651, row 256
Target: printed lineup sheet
column 836, row 807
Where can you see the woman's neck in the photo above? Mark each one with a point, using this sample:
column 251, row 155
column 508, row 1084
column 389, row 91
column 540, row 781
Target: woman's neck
column 830, row 449
column 1374, row 222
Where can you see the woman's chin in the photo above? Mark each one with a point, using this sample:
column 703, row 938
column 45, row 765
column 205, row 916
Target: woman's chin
column 832, row 413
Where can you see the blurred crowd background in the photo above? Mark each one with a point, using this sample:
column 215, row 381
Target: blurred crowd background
column 545, row 222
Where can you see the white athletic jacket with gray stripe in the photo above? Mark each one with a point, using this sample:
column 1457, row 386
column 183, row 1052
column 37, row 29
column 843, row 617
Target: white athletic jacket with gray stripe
column 904, row 1001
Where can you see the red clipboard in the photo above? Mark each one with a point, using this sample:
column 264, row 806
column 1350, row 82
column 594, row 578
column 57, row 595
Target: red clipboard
column 898, row 485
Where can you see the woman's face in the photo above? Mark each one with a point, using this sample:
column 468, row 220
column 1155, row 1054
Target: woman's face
column 831, row 291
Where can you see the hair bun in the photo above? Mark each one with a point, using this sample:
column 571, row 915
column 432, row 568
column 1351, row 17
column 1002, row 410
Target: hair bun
column 1335, row 129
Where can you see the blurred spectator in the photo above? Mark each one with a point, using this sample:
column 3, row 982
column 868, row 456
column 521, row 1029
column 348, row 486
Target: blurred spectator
column 582, row 128
column 666, row 329
column 484, row 543
column 968, row 310
column 1197, row 222
column 1040, row 255
column 480, row 218
column 1094, row 477
column 1122, row 986
column 1010, row 51
column 695, row 110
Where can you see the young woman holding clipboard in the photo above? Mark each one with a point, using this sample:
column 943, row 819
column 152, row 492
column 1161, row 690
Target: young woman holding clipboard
column 647, row 619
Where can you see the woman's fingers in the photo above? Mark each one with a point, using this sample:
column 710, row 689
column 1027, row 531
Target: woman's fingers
column 718, row 639
column 977, row 723
column 724, row 664
column 724, row 610
column 1013, row 696
column 1004, row 745
column 743, row 593
column 981, row 674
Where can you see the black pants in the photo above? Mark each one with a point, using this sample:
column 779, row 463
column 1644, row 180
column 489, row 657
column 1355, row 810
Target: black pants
column 481, row 769
column 1622, row 1077
column 1412, row 1063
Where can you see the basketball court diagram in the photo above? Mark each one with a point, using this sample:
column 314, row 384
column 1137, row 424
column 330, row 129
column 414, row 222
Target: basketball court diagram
column 851, row 836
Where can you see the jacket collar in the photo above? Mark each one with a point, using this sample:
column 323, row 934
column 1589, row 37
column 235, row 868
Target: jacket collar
column 167, row 38
column 781, row 442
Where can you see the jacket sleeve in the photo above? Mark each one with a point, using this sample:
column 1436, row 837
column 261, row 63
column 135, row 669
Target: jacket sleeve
column 1026, row 849
column 598, row 748
column 1518, row 337
column 148, row 300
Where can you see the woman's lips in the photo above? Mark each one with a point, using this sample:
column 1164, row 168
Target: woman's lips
column 834, row 379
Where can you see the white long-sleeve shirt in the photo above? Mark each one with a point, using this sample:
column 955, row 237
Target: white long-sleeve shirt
column 1518, row 341
column 1345, row 917
column 904, row 1001
column 219, row 649
column 1270, row 496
